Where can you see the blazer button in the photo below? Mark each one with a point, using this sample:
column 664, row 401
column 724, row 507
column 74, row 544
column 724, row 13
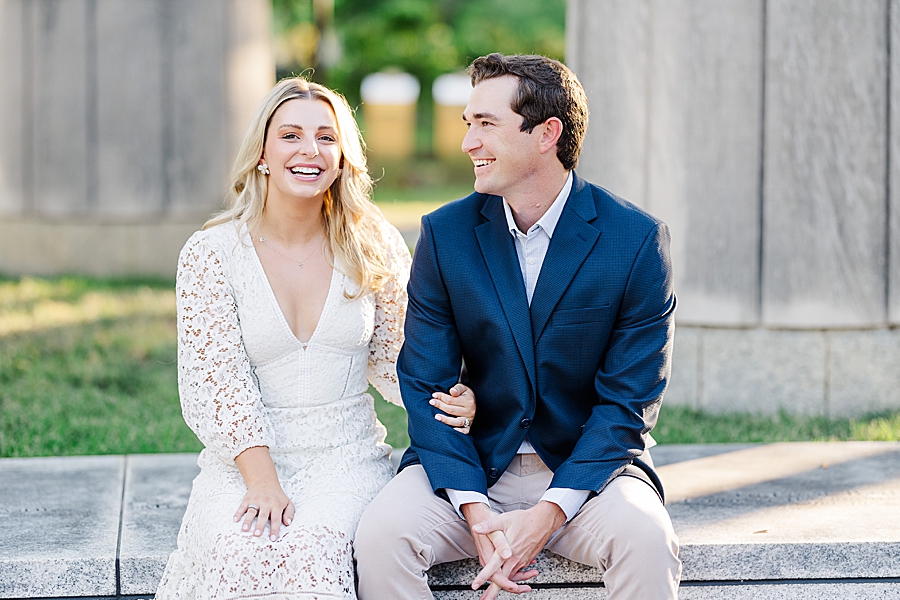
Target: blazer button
column 525, row 423
column 494, row 473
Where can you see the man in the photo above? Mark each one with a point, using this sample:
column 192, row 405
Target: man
column 557, row 297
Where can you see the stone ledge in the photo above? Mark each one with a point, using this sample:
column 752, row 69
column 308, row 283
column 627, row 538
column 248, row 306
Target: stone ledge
column 804, row 520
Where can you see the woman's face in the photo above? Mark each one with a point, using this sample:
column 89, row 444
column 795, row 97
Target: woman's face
column 302, row 150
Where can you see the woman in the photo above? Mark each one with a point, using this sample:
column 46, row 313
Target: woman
column 288, row 302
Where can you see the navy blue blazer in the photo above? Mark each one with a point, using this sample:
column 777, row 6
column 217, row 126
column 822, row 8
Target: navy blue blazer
column 581, row 372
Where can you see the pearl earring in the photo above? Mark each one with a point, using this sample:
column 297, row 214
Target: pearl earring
column 263, row 168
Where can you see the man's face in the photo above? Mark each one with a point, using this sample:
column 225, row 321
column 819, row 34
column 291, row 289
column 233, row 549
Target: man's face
column 505, row 157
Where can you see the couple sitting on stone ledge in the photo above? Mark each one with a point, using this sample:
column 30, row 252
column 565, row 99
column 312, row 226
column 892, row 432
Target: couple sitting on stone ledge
column 551, row 296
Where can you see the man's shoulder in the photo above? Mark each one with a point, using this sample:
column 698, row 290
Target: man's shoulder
column 465, row 211
column 614, row 208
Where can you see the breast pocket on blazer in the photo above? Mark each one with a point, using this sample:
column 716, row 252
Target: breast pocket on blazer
column 580, row 316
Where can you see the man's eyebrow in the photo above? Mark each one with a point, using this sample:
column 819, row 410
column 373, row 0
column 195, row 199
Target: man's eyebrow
column 479, row 116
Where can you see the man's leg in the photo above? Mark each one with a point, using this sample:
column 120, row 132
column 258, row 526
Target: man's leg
column 404, row 532
column 627, row 532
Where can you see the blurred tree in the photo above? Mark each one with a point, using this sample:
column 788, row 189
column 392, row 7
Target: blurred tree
column 423, row 37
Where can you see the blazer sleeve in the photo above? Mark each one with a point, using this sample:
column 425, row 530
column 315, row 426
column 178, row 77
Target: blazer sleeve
column 430, row 361
column 632, row 378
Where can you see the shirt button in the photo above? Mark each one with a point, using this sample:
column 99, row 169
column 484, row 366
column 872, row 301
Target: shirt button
column 530, row 261
column 525, row 423
column 494, row 473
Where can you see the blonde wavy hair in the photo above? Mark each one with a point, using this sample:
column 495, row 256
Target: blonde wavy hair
column 353, row 224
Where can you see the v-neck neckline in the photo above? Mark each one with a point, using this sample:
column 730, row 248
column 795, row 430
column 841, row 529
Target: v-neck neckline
column 274, row 300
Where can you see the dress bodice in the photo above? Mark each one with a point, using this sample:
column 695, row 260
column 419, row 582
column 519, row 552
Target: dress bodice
column 246, row 380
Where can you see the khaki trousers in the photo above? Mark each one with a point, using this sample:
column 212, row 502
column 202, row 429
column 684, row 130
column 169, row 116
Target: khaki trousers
column 625, row 531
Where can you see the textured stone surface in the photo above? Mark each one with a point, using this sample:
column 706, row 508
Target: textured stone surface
column 607, row 48
column 38, row 247
column 157, row 487
column 120, row 120
column 863, row 373
column 810, row 591
column 13, row 119
column 705, row 151
column 64, row 159
column 788, row 511
column 198, row 37
column 804, row 511
column 894, row 169
column 133, row 77
column 553, row 569
column 684, row 384
column 59, row 523
column 589, row 593
column 763, row 371
column 825, row 167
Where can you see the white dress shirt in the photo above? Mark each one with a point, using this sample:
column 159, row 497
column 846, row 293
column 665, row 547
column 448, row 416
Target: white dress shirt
column 531, row 248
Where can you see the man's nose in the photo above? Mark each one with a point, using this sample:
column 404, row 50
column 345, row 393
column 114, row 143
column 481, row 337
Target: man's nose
column 470, row 141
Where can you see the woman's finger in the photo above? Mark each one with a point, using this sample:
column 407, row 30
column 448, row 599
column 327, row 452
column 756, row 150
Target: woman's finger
column 288, row 515
column 250, row 514
column 453, row 406
column 261, row 521
column 275, row 524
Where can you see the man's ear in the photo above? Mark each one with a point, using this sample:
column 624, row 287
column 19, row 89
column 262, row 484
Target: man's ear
column 551, row 129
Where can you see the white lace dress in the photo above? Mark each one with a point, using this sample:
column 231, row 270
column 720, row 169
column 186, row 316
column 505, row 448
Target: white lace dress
column 245, row 380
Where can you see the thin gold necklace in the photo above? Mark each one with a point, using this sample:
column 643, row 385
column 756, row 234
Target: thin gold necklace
column 299, row 262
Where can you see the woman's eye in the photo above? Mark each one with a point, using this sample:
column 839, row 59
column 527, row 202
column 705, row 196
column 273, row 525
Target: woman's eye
column 327, row 138
column 289, row 136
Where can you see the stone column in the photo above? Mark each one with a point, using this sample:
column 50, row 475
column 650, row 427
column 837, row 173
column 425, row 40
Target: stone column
column 119, row 120
column 760, row 131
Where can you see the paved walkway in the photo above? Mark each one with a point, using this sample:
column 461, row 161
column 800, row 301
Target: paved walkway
column 801, row 520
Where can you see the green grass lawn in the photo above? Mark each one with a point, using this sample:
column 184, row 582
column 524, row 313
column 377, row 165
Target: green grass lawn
column 87, row 366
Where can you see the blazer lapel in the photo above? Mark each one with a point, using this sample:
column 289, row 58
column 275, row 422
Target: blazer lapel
column 572, row 241
column 498, row 248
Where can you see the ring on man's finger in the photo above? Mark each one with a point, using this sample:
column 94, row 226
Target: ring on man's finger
column 253, row 506
column 466, row 422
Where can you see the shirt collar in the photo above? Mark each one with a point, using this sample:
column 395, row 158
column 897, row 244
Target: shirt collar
column 551, row 217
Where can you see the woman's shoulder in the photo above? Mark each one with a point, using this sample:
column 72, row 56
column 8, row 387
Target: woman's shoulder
column 219, row 240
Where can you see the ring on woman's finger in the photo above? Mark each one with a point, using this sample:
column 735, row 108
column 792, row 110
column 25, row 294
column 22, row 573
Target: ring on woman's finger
column 466, row 422
column 253, row 506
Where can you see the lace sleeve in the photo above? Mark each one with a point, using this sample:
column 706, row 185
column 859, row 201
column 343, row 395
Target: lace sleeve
column 390, row 312
column 219, row 398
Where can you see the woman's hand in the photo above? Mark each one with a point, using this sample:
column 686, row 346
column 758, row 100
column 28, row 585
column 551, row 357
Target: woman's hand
column 459, row 404
column 265, row 501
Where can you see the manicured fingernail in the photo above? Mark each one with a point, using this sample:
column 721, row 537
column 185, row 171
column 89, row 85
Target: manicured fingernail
column 438, row 417
column 273, row 538
column 432, row 402
column 246, row 527
column 506, row 553
column 288, row 521
column 257, row 532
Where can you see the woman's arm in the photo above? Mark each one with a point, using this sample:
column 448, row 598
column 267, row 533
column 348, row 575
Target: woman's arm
column 220, row 401
column 265, row 500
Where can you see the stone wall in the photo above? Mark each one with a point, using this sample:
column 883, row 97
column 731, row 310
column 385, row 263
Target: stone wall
column 765, row 133
column 119, row 120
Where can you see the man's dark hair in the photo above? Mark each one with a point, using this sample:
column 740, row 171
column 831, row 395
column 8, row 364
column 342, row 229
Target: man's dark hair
column 547, row 88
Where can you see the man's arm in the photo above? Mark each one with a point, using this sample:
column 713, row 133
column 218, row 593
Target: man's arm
column 633, row 376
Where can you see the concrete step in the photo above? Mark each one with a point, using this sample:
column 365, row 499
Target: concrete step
column 799, row 520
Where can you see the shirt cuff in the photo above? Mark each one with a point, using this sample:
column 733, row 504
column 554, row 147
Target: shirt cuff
column 569, row 500
column 458, row 498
